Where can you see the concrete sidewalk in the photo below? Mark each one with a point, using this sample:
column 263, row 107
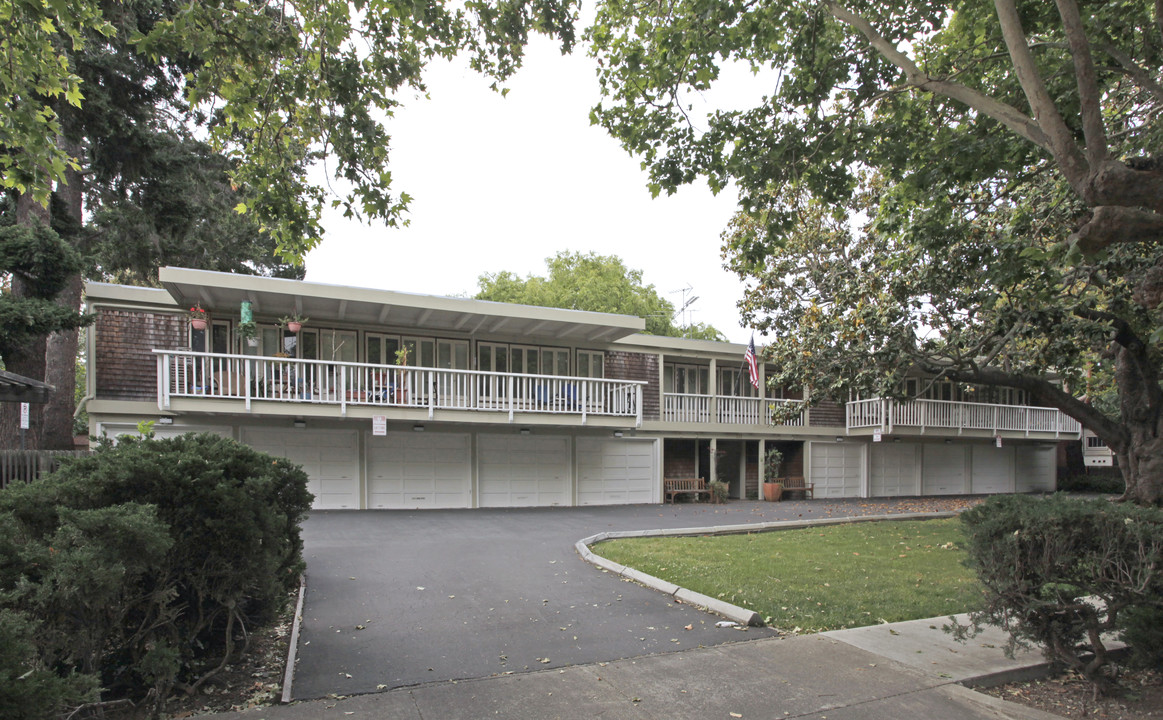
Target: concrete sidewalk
column 883, row 672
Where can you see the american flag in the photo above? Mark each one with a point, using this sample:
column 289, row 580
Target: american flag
column 752, row 365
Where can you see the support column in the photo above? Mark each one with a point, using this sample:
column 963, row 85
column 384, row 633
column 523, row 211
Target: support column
column 762, row 468
column 713, row 460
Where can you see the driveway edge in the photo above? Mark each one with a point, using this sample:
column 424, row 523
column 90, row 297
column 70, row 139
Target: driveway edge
column 293, row 643
column 731, row 612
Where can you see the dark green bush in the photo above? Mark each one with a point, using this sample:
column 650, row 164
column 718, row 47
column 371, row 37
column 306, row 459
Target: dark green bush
column 145, row 562
column 1060, row 573
column 1096, row 480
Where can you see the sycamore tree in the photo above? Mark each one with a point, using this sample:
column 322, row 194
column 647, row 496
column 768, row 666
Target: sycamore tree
column 974, row 188
column 597, row 283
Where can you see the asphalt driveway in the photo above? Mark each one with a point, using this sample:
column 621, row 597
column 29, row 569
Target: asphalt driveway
column 398, row 598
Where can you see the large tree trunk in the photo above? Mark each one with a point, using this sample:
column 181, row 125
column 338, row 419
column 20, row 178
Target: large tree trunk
column 1141, row 404
column 30, row 361
column 61, row 355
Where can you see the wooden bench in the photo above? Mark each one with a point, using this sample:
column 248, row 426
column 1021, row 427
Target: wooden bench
column 797, row 484
column 676, row 486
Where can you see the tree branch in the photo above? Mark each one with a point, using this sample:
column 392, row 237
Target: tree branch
column 1134, row 70
column 1093, row 128
column 1045, row 392
column 1061, row 141
column 1111, row 224
column 1007, row 115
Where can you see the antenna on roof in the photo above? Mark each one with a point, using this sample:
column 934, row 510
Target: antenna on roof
column 684, row 308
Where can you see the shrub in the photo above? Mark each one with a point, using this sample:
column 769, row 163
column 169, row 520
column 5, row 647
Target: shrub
column 1097, row 480
column 144, row 562
column 1061, row 572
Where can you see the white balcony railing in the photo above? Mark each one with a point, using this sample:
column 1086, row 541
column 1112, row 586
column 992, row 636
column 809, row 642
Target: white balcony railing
column 185, row 374
column 887, row 414
column 726, row 409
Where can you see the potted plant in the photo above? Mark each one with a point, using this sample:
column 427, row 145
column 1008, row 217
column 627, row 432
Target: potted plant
column 773, row 480
column 401, row 375
column 293, row 323
column 198, row 317
column 248, row 330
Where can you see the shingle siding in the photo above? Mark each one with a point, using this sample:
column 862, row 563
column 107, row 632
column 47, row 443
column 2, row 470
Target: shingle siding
column 124, row 344
column 621, row 365
column 827, row 414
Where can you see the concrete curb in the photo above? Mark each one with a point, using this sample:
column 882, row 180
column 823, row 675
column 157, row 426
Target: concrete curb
column 293, row 643
column 731, row 612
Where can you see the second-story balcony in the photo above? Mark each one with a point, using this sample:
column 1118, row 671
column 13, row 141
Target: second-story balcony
column 727, row 410
column 245, row 380
column 944, row 417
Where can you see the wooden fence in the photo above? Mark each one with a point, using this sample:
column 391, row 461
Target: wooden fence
column 27, row 465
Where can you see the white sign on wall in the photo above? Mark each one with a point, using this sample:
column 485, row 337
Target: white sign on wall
column 379, row 424
column 23, row 416
column 875, row 436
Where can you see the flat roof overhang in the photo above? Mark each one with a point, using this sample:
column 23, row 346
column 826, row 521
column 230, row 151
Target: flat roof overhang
column 18, row 388
column 323, row 302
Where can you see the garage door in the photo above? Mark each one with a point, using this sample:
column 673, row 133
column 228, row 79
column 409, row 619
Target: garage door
column 523, row 470
column 835, row 469
column 418, row 470
column 329, row 457
column 1035, row 468
column 993, row 469
column 615, row 471
column 894, row 469
column 943, row 471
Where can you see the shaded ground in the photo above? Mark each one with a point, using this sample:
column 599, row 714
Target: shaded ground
column 1070, row 696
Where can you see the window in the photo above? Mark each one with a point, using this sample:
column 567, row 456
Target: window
column 591, row 363
column 686, row 379
column 452, row 354
column 380, row 349
column 736, row 382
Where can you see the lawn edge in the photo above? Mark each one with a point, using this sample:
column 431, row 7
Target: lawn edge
column 732, row 612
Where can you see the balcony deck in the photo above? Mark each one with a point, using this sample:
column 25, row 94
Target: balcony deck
column 943, row 417
column 727, row 410
column 243, row 380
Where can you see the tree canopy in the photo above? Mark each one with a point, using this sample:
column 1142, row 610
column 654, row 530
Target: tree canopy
column 970, row 188
column 279, row 87
column 597, row 283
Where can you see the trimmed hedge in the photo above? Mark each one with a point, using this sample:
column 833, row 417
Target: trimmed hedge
column 140, row 567
column 1060, row 573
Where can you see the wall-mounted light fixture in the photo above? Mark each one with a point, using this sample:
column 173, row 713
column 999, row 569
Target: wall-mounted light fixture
column 896, row 439
column 300, row 423
column 525, row 431
column 839, row 439
column 165, row 421
column 617, row 433
column 418, row 428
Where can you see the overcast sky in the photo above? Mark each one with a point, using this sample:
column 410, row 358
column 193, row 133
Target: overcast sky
column 504, row 183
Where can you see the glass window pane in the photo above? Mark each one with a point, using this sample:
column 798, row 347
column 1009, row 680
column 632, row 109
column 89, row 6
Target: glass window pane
column 460, row 361
column 374, row 349
column 484, row 358
column 309, row 344
column 427, row 353
column 563, row 362
column 598, row 369
column 583, row 364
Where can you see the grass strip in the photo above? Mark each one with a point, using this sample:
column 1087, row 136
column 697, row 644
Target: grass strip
column 820, row 578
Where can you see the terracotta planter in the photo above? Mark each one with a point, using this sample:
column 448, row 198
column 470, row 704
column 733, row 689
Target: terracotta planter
column 294, row 327
column 772, row 491
column 198, row 324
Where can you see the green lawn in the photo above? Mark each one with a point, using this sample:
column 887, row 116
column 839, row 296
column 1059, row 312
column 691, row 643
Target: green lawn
column 821, row 578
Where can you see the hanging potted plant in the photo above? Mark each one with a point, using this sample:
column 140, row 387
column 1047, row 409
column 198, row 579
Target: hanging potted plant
column 293, row 323
column 249, row 331
column 773, row 481
column 198, row 317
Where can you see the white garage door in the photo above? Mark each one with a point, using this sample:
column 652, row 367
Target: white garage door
column 614, row 471
column 329, row 457
column 523, row 470
column 993, row 469
column 943, row 470
column 835, row 469
column 894, row 469
column 418, row 470
column 1036, row 468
